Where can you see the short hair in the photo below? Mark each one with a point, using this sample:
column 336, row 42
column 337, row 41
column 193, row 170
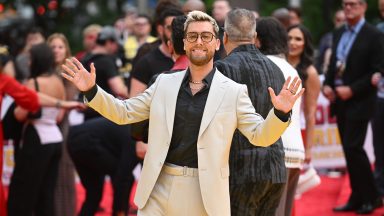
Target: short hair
column 199, row 16
column 42, row 60
column 163, row 5
column 92, row 28
column 282, row 15
column 169, row 12
column 240, row 25
column 297, row 10
column 272, row 36
column 178, row 34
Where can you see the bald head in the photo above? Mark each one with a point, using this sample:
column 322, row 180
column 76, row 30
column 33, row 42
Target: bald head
column 191, row 5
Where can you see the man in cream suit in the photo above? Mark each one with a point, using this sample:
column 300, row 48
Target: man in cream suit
column 193, row 115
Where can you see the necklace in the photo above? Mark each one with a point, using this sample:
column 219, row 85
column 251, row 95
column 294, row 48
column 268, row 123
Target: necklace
column 195, row 82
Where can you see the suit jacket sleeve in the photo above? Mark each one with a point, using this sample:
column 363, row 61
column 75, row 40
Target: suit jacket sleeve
column 375, row 64
column 123, row 111
column 259, row 132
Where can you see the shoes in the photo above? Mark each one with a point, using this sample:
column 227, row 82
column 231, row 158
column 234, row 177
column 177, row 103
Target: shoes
column 347, row 207
column 307, row 181
column 368, row 208
column 365, row 208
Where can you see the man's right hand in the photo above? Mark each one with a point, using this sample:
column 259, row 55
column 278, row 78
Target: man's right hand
column 78, row 75
column 328, row 93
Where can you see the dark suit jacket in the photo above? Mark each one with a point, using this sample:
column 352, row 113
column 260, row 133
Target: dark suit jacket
column 364, row 59
column 248, row 163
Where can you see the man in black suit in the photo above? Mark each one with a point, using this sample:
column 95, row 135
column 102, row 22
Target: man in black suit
column 357, row 52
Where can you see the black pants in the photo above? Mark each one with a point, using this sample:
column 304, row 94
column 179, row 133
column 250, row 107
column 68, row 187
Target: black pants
column 378, row 144
column 95, row 156
column 353, row 134
column 33, row 182
column 255, row 199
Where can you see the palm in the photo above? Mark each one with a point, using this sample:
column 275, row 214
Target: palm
column 287, row 97
column 78, row 75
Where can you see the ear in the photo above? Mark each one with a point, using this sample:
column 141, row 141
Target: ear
column 225, row 38
column 217, row 44
column 184, row 44
column 160, row 30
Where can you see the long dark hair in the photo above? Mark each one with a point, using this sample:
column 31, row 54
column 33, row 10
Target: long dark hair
column 272, row 36
column 306, row 58
column 42, row 60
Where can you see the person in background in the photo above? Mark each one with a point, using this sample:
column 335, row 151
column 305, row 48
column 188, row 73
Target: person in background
column 357, row 53
column 89, row 40
column 33, row 182
column 282, row 15
column 220, row 8
column 257, row 175
column 34, row 36
column 378, row 118
column 65, row 193
column 300, row 56
column 380, row 25
column 294, row 16
column 29, row 100
column 272, row 41
column 191, row 5
column 99, row 148
column 140, row 35
column 325, row 44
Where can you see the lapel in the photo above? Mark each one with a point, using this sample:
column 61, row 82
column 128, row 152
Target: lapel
column 215, row 96
column 358, row 40
column 171, row 99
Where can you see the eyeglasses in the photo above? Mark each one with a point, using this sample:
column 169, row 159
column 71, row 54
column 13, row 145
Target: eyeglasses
column 351, row 4
column 192, row 37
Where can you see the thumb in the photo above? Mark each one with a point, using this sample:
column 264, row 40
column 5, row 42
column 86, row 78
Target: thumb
column 272, row 93
column 93, row 69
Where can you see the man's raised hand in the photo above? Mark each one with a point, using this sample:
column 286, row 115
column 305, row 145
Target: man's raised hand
column 287, row 96
column 78, row 75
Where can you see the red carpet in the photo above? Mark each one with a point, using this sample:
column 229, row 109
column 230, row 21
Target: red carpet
column 330, row 193
column 316, row 202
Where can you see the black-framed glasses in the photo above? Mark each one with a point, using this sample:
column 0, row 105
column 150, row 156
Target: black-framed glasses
column 206, row 37
column 350, row 4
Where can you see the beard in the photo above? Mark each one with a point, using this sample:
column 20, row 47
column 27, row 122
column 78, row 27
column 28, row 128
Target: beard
column 200, row 60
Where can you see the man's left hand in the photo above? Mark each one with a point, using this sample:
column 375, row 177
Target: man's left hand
column 287, row 96
column 344, row 92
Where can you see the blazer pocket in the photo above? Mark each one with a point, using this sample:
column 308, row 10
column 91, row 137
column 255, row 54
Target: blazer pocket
column 224, row 172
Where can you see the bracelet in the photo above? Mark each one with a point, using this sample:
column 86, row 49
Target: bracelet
column 58, row 104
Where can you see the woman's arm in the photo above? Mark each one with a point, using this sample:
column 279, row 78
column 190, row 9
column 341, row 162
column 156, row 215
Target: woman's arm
column 312, row 85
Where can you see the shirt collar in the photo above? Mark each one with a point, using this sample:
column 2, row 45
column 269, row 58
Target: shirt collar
column 207, row 79
column 356, row 28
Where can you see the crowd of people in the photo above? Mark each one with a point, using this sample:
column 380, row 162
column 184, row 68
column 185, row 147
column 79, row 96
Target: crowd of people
column 218, row 110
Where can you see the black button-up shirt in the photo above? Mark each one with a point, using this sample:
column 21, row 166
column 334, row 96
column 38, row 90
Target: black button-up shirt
column 186, row 126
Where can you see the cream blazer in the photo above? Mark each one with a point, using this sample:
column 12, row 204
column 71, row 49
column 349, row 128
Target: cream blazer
column 228, row 107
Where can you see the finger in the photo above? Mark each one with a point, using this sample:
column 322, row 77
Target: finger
column 68, row 70
column 292, row 85
column 272, row 93
column 79, row 66
column 66, row 76
column 285, row 86
column 93, row 69
column 300, row 93
column 71, row 65
column 297, row 85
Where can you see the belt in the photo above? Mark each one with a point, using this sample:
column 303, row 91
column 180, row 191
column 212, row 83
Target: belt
column 175, row 170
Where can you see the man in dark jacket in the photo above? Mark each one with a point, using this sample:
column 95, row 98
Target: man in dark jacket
column 257, row 174
column 357, row 53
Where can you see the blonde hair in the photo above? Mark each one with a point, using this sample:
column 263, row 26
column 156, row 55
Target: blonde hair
column 62, row 38
column 92, row 28
column 199, row 16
